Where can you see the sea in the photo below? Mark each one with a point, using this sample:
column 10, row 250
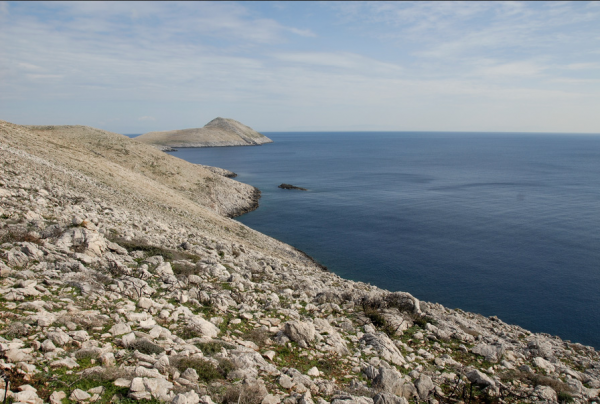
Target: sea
column 504, row 224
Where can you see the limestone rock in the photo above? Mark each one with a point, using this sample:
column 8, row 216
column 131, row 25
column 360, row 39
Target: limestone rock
column 107, row 359
column 349, row 399
column 28, row 396
column 57, row 396
column 286, row 382
column 119, row 329
column 546, row 393
column 543, row 364
column 387, row 398
column 66, row 362
column 479, row 378
column 388, row 381
column 384, row 346
column 301, row 332
column 424, row 386
column 148, row 387
column 206, row 328
column 492, row 353
column 539, row 347
column 79, row 395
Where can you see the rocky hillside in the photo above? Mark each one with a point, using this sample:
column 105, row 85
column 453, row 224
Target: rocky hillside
column 218, row 132
column 118, row 286
column 117, row 161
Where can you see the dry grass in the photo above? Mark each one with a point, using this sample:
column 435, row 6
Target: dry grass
column 248, row 394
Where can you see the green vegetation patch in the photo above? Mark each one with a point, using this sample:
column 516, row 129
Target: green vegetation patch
column 213, row 347
column 331, row 365
column 374, row 314
column 205, row 369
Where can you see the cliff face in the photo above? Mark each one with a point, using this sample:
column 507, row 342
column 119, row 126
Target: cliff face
column 218, row 132
column 117, row 283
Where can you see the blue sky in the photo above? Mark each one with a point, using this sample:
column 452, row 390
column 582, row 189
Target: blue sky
column 133, row 67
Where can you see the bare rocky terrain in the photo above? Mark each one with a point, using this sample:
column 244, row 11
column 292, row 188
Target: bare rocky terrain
column 216, row 133
column 123, row 278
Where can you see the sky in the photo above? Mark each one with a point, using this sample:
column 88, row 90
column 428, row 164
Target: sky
column 134, row 67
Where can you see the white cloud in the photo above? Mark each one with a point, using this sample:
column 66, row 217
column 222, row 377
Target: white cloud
column 454, row 29
column 28, row 66
column 342, row 60
column 513, row 69
column 3, row 9
column 583, row 66
column 378, row 61
column 44, row 76
column 303, row 32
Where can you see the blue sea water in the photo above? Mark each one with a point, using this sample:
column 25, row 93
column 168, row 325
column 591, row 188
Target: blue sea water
column 498, row 224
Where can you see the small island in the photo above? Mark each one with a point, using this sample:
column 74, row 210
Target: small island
column 288, row 186
column 217, row 133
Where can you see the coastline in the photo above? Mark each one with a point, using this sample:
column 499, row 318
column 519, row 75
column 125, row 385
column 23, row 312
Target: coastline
column 204, row 145
column 251, row 206
column 158, row 288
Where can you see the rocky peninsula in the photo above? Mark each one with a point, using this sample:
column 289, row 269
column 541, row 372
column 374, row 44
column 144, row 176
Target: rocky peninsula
column 123, row 278
column 216, row 133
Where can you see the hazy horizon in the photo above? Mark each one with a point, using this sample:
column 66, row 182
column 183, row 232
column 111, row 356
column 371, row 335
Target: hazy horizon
column 136, row 67
column 408, row 131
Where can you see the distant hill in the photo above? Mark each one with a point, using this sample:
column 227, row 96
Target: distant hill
column 218, row 132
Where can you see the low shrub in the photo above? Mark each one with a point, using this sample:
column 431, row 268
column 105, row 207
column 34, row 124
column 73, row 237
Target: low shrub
column 564, row 397
column 17, row 330
column 190, row 331
column 248, row 394
column 109, row 374
column 372, row 311
column 422, row 321
column 205, row 369
column 19, row 235
column 140, row 245
column 213, row 347
column 375, row 316
column 258, row 335
column 151, row 250
column 145, row 346
column 182, row 270
column 83, row 354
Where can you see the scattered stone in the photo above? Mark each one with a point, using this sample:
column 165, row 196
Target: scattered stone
column 479, row 378
column 79, row 395
column 57, row 396
column 119, row 329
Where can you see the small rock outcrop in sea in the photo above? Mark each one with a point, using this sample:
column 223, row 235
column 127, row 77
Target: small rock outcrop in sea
column 218, row 132
column 288, row 186
column 119, row 282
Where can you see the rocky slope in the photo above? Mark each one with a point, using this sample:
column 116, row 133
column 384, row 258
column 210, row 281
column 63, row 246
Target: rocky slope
column 117, row 286
column 114, row 159
column 218, row 132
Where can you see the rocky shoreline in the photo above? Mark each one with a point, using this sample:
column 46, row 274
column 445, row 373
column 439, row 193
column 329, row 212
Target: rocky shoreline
column 118, row 292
